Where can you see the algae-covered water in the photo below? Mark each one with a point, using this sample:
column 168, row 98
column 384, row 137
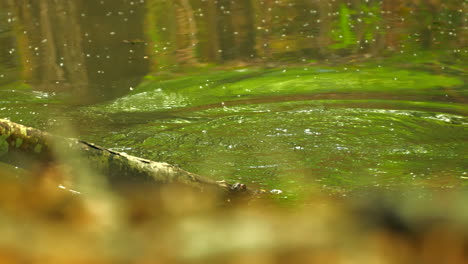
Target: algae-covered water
column 295, row 129
column 322, row 103
column 300, row 129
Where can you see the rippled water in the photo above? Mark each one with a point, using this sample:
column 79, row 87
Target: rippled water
column 309, row 135
column 330, row 97
column 307, row 146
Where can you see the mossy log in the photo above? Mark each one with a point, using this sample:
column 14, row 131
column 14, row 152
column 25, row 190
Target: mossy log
column 26, row 143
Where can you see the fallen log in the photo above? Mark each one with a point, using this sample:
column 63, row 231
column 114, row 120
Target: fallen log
column 18, row 142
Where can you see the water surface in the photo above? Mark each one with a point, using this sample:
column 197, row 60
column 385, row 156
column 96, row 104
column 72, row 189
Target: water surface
column 300, row 96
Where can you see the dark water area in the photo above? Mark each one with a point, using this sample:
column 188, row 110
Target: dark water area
column 79, row 49
column 299, row 96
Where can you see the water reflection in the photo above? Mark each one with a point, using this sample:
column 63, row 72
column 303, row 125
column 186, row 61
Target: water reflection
column 280, row 89
column 96, row 50
column 81, row 48
column 299, row 30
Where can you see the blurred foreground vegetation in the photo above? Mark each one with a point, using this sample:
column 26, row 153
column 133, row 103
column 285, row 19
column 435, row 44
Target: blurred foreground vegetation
column 43, row 220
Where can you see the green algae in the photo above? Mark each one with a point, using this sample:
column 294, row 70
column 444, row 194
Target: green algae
column 3, row 144
column 305, row 146
column 246, row 84
column 298, row 129
column 38, row 148
column 18, row 142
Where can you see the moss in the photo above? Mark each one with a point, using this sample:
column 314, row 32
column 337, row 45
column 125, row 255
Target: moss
column 18, row 142
column 38, row 148
column 24, row 131
column 3, row 144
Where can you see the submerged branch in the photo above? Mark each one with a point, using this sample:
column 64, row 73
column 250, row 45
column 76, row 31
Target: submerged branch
column 26, row 143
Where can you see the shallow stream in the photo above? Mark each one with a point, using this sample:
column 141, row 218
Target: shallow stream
column 298, row 130
column 318, row 97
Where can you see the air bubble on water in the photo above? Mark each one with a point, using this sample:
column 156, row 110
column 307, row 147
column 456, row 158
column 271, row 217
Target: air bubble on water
column 276, row 191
